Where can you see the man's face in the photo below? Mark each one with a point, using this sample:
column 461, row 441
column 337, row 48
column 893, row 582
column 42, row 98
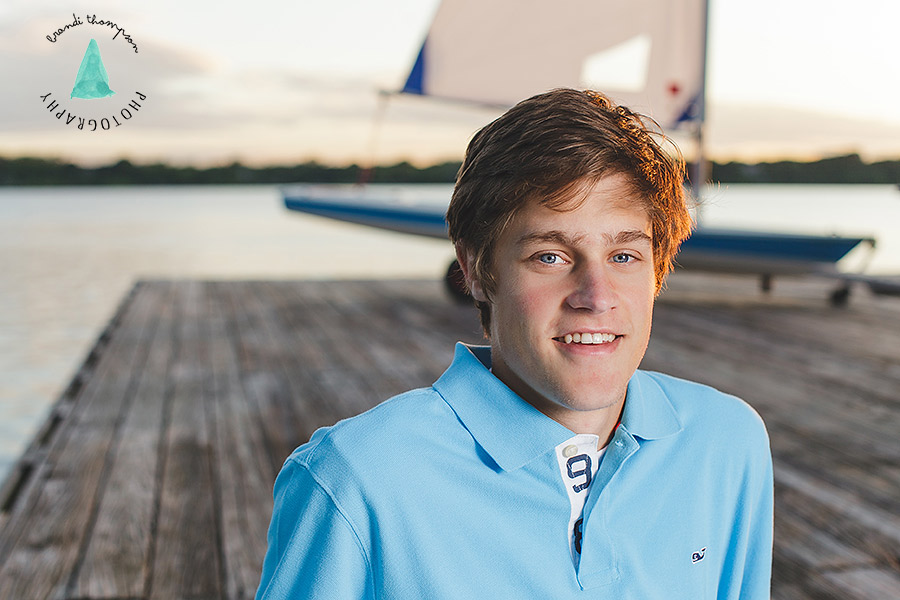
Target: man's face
column 564, row 278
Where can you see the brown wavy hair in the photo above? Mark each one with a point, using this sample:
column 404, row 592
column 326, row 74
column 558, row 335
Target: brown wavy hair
column 550, row 149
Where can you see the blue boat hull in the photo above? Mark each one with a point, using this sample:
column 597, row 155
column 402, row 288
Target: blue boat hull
column 709, row 249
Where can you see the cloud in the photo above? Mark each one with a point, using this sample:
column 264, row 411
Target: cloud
column 199, row 109
column 754, row 132
column 32, row 66
column 268, row 101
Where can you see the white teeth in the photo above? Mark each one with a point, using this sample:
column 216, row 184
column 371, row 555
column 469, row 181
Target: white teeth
column 589, row 338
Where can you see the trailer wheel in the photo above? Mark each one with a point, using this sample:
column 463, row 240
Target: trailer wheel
column 840, row 297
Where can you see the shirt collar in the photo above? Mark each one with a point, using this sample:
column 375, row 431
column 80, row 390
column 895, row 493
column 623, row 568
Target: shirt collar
column 648, row 413
column 508, row 428
column 513, row 432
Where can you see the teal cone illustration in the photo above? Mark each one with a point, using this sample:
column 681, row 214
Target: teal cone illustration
column 92, row 80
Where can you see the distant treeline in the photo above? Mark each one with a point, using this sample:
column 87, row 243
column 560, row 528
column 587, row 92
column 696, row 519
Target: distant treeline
column 38, row 171
column 838, row 169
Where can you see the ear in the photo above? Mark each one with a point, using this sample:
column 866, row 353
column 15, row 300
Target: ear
column 466, row 260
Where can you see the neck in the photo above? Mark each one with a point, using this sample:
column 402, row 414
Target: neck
column 601, row 422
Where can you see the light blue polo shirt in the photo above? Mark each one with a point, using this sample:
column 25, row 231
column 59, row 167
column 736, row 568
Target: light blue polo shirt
column 454, row 491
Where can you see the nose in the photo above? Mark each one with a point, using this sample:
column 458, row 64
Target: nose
column 593, row 289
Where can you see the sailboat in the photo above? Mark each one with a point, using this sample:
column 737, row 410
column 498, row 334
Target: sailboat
column 649, row 55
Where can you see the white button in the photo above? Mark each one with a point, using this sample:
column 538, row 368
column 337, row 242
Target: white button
column 570, row 451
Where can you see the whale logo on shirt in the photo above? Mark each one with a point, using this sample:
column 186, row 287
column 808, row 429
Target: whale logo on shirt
column 698, row 556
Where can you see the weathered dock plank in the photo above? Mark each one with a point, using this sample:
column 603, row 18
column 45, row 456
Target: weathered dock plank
column 119, row 548
column 245, row 468
column 48, row 529
column 188, row 533
column 152, row 478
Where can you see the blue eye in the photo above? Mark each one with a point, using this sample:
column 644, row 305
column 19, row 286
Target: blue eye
column 622, row 258
column 549, row 258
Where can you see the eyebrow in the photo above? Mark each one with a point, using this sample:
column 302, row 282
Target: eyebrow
column 563, row 238
column 630, row 236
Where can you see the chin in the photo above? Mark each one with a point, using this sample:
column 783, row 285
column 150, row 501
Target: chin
column 578, row 401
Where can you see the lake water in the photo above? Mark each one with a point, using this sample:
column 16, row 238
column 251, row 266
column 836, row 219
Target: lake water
column 69, row 254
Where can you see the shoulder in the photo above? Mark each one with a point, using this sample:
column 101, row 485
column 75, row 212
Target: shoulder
column 401, row 414
column 377, row 442
column 703, row 409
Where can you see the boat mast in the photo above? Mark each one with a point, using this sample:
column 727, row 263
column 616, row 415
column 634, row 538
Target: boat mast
column 701, row 168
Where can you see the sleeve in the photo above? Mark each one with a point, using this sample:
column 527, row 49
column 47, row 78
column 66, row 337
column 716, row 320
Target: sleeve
column 313, row 550
column 758, row 569
column 749, row 569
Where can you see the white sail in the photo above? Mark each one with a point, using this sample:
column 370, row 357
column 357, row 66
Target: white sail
column 646, row 54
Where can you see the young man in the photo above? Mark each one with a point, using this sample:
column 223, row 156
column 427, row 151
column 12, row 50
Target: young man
column 546, row 465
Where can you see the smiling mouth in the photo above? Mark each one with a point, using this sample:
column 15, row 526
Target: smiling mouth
column 587, row 338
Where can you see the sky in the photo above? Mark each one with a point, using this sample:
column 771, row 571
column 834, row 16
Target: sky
column 281, row 82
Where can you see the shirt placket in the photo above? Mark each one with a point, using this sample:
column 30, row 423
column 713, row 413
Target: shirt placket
column 598, row 564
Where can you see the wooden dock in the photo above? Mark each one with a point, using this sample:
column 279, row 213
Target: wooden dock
column 152, row 477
